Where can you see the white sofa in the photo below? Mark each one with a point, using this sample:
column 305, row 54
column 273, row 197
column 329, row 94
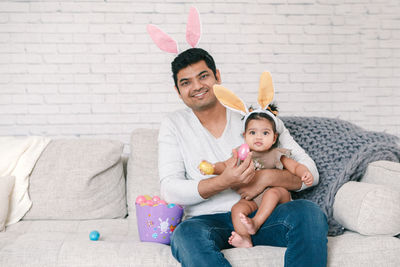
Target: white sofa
column 78, row 186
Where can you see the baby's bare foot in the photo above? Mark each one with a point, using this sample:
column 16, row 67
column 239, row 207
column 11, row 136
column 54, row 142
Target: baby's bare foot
column 249, row 224
column 239, row 241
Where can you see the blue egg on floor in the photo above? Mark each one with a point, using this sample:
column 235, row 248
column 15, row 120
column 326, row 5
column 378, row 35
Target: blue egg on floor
column 94, row 235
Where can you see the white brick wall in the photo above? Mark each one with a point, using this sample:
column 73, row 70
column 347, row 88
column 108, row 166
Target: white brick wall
column 88, row 68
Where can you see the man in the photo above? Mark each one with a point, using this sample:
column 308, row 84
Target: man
column 207, row 130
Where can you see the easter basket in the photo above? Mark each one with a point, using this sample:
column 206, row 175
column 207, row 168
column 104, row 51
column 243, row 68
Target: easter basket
column 156, row 222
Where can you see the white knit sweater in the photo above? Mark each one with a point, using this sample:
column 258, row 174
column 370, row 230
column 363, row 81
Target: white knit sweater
column 184, row 143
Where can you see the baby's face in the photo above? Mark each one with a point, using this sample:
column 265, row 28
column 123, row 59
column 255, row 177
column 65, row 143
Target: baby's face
column 259, row 135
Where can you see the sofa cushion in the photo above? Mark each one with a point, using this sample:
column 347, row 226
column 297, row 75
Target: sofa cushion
column 368, row 209
column 6, row 185
column 66, row 243
column 142, row 170
column 352, row 249
column 77, row 179
column 384, row 173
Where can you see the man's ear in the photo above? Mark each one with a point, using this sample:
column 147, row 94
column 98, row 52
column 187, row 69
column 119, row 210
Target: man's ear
column 218, row 76
column 177, row 90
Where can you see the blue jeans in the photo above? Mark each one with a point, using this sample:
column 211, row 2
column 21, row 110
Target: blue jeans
column 299, row 225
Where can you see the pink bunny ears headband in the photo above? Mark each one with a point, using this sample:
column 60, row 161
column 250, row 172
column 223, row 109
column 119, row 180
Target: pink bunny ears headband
column 167, row 43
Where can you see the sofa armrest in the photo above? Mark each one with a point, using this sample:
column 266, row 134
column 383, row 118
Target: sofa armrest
column 368, row 209
column 6, row 186
column 384, row 173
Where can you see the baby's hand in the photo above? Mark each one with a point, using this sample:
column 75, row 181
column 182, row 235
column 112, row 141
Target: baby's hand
column 206, row 168
column 307, row 178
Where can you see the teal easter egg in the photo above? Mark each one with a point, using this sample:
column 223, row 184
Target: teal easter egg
column 94, row 235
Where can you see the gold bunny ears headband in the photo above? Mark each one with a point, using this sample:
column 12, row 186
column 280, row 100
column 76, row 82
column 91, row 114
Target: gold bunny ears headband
column 265, row 97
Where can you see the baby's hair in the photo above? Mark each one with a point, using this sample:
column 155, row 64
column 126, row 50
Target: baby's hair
column 263, row 115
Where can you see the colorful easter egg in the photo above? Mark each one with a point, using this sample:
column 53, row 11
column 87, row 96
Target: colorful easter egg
column 149, row 202
column 94, row 235
column 140, row 199
column 206, row 167
column 156, row 199
column 243, row 151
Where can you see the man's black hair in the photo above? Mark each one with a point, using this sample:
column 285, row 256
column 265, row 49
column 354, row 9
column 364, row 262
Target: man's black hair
column 188, row 57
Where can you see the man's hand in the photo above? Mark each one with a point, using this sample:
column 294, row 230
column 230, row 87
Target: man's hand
column 268, row 177
column 231, row 176
column 234, row 175
column 252, row 189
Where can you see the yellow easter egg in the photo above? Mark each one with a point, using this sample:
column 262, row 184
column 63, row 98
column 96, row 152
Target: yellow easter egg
column 147, row 197
column 206, row 167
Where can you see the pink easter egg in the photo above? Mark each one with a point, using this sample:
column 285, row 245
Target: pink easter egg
column 149, row 202
column 243, row 151
column 163, row 202
column 140, row 199
column 156, row 199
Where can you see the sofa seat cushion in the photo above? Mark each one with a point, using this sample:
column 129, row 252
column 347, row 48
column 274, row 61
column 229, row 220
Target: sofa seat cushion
column 66, row 243
column 78, row 179
column 353, row 249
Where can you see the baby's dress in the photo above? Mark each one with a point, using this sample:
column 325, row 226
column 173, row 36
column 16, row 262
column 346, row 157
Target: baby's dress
column 270, row 159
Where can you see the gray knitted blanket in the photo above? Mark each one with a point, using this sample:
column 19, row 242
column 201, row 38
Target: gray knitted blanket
column 342, row 152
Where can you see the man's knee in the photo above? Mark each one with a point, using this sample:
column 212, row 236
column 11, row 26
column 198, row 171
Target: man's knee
column 306, row 215
column 312, row 212
column 307, row 233
column 188, row 231
column 198, row 242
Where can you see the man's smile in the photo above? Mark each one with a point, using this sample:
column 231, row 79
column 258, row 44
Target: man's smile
column 200, row 94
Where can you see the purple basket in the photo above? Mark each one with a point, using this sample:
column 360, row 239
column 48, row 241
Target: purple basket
column 156, row 224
